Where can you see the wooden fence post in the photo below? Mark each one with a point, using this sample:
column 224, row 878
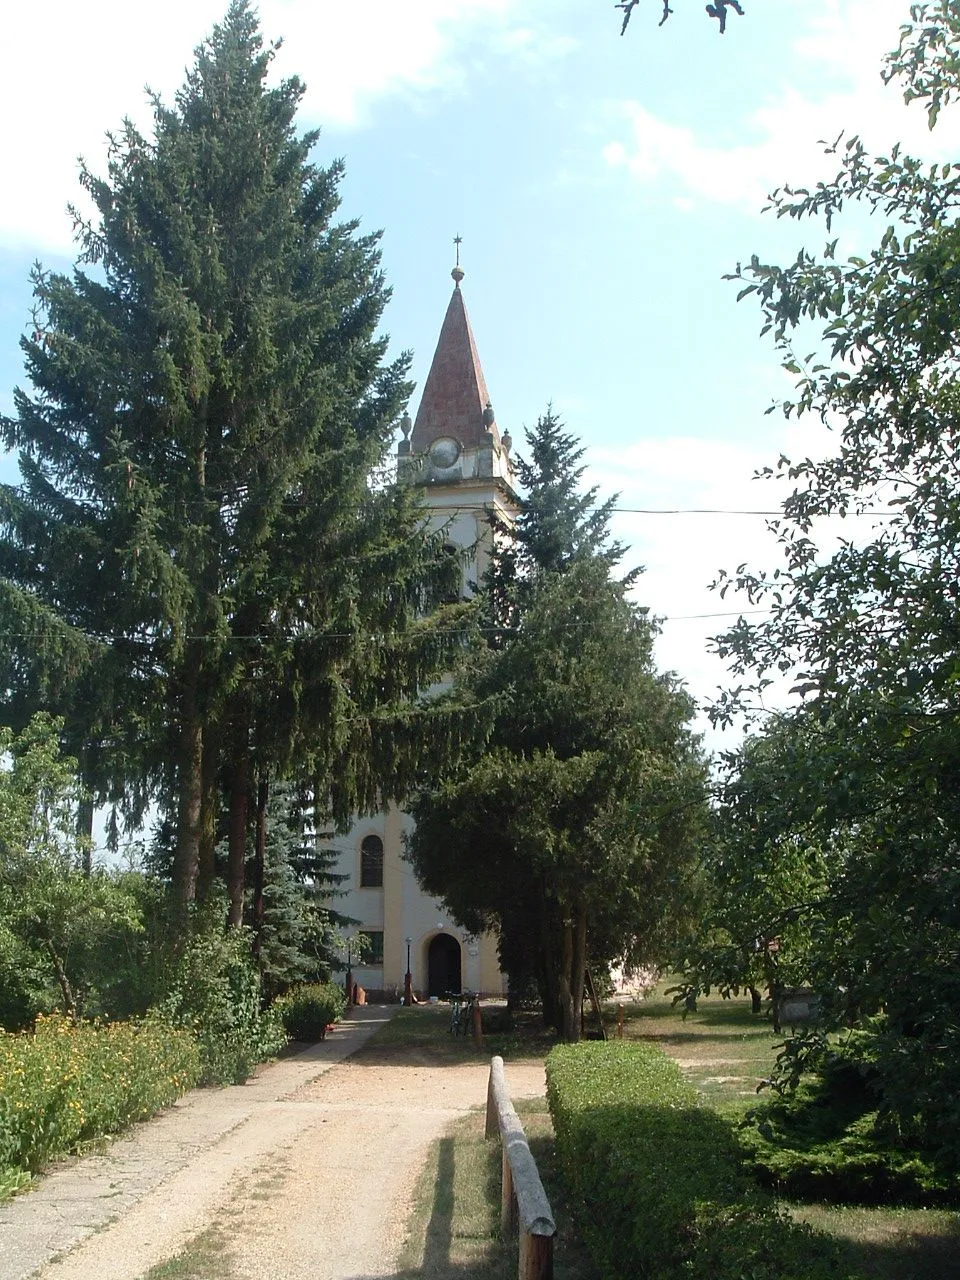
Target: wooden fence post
column 492, row 1126
column 536, row 1257
column 523, row 1201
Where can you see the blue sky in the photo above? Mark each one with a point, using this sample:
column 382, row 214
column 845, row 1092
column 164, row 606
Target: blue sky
column 602, row 186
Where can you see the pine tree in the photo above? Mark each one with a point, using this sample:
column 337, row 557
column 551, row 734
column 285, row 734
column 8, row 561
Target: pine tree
column 197, row 519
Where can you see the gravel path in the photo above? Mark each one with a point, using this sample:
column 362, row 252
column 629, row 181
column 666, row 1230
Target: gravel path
column 303, row 1171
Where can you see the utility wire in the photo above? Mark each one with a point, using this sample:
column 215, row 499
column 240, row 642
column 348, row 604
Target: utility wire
column 388, row 635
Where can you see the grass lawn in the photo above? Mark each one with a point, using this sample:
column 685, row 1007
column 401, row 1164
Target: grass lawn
column 426, row 1028
column 723, row 1049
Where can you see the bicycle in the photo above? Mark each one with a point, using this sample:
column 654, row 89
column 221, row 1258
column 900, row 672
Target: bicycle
column 462, row 1004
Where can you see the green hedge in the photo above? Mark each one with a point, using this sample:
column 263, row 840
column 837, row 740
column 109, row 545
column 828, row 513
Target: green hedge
column 308, row 1010
column 66, row 1084
column 654, row 1179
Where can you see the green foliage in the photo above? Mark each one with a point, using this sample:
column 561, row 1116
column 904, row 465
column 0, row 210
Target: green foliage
column 867, row 629
column 58, row 922
column 654, row 1179
column 763, row 885
column 572, row 832
column 831, row 1139
column 214, row 991
column 307, row 1011
column 68, row 1083
column 202, row 513
column 297, row 937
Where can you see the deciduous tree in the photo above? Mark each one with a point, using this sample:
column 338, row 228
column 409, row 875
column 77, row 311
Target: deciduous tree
column 869, row 631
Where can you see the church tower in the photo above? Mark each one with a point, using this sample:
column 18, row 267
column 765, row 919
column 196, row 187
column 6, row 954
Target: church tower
column 456, row 451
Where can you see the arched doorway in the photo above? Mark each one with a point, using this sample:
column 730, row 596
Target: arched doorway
column 443, row 965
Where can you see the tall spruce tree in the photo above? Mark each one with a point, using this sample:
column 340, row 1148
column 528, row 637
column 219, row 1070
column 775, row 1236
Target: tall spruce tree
column 558, row 524
column 218, row 585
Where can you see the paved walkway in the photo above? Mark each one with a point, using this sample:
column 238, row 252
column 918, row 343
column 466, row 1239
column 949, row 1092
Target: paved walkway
column 304, row 1171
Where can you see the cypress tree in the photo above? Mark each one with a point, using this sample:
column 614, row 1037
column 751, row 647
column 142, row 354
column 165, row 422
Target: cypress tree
column 221, row 586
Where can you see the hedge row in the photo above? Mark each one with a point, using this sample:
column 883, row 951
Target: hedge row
column 655, row 1180
column 66, row 1084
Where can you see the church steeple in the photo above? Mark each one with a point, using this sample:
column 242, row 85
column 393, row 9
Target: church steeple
column 455, row 401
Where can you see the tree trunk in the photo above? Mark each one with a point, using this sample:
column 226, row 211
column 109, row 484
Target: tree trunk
column 66, row 990
column 549, row 968
column 572, row 974
column 237, row 835
column 209, row 813
column 186, row 857
column 259, row 859
column 756, row 1000
column 569, row 1014
column 579, row 973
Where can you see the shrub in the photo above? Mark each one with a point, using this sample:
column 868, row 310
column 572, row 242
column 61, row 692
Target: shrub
column 215, row 993
column 829, row 1140
column 67, row 1084
column 654, row 1178
column 307, row 1011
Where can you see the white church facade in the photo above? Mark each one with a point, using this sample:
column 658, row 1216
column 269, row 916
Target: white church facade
column 454, row 450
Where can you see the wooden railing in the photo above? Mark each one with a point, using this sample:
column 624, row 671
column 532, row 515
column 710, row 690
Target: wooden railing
column 523, row 1200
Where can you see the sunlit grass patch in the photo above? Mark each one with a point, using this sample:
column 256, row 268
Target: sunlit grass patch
column 723, row 1048
column 205, row 1257
column 890, row 1243
column 454, row 1229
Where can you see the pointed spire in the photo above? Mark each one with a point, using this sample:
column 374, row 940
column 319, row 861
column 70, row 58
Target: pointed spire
column 455, row 394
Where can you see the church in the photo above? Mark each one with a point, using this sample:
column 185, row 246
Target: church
column 456, row 451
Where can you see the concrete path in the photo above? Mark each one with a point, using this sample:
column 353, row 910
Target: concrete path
column 303, row 1171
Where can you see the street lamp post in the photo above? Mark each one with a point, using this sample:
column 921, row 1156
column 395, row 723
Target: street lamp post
column 408, row 978
column 349, row 981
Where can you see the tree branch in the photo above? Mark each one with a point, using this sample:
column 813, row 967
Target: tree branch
column 717, row 10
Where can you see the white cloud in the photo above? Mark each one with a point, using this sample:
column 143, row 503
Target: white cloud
column 74, row 71
column 845, row 43
column 683, row 553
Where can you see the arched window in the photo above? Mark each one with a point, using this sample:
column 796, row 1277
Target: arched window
column 371, row 863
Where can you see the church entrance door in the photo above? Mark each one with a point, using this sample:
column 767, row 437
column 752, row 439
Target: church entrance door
column 443, row 965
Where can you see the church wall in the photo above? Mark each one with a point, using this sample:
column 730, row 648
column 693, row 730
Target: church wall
column 400, row 909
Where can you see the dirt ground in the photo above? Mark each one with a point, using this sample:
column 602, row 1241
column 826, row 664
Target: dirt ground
column 313, row 1180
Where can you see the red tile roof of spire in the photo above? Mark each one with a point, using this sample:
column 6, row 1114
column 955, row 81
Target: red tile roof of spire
column 455, row 393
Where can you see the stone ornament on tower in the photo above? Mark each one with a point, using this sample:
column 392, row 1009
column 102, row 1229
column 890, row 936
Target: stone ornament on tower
column 406, row 426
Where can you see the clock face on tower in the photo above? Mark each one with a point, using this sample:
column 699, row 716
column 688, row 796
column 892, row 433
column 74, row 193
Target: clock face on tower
column 444, row 451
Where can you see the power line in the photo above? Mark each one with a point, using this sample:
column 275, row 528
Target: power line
column 390, row 635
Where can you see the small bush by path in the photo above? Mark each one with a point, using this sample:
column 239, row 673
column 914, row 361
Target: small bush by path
column 66, row 1084
column 308, row 1010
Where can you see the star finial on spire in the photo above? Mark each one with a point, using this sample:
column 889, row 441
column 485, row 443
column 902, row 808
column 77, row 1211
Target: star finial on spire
column 457, row 271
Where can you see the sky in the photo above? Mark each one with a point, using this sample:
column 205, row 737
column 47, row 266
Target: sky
column 603, row 186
